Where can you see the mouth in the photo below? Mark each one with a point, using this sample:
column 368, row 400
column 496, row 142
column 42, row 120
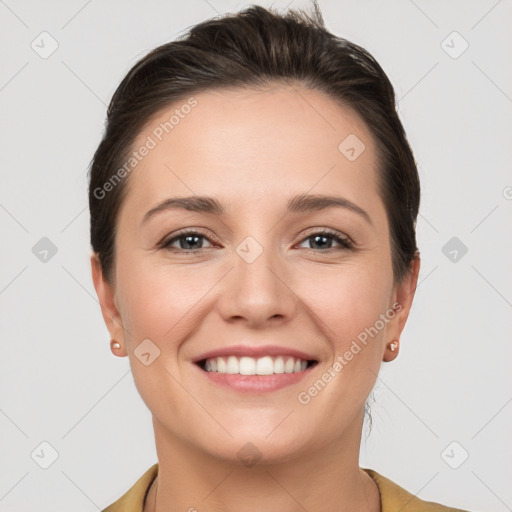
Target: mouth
column 255, row 376
column 260, row 366
column 255, row 369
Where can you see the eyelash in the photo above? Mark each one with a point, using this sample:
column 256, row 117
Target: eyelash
column 345, row 242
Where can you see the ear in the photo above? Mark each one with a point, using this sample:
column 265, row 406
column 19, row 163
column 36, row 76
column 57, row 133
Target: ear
column 106, row 297
column 403, row 294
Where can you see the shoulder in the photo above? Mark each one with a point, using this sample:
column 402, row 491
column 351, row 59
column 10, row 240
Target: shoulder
column 395, row 498
column 133, row 499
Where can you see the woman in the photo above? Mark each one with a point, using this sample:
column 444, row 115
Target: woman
column 253, row 207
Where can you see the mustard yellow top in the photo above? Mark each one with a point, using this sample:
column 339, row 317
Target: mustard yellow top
column 393, row 497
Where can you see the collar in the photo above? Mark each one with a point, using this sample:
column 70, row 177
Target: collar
column 393, row 497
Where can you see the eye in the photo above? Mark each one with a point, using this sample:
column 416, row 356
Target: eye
column 323, row 240
column 187, row 241
column 193, row 241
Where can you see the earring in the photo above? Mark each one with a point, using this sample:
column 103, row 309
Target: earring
column 393, row 345
column 115, row 344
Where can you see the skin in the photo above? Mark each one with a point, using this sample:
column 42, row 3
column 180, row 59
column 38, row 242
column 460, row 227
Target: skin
column 253, row 150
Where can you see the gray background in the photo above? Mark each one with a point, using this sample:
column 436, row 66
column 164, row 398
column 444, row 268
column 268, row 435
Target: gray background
column 61, row 385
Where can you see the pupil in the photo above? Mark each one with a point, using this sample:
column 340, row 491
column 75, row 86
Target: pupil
column 321, row 237
column 187, row 239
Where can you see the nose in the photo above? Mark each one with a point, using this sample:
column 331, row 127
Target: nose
column 258, row 293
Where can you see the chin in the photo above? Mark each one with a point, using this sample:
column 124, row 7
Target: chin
column 257, row 449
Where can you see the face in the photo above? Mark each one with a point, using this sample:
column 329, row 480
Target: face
column 259, row 267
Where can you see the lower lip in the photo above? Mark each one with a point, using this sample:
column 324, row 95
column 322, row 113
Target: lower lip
column 256, row 383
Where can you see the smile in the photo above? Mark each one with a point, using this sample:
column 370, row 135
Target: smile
column 266, row 365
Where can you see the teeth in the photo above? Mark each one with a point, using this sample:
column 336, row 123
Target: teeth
column 247, row 366
column 289, row 365
column 266, row 365
column 279, row 365
column 232, row 365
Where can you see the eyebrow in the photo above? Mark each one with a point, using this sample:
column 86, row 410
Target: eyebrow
column 299, row 204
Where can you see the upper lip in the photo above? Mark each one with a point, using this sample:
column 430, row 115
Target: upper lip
column 253, row 351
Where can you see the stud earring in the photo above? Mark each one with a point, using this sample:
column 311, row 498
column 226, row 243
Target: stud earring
column 393, row 345
column 115, row 344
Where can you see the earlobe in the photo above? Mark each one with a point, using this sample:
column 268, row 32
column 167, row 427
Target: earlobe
column 403, row 297
column 117, row 349
column 111, row 315
column 391, row 351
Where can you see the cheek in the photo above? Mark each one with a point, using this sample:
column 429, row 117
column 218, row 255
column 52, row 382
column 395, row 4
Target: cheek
column 348, row 300
column 161, row 304
column 349, row 309
column 167, row 302
column 348, row 304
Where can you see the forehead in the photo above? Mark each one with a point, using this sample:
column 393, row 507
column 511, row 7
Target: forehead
column 239, row 142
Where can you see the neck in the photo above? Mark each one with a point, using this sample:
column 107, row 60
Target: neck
column 325, row 479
